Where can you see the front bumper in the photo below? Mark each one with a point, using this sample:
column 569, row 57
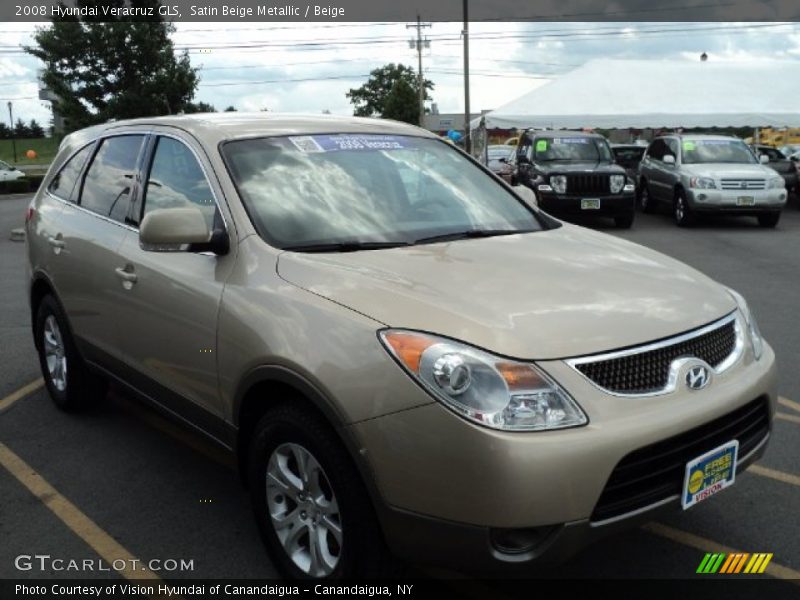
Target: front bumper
column 728, row 201
column 449, row 486
column 567, row 204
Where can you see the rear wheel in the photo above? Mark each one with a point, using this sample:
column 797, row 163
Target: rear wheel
column 313, row 511
column 681, row 210
column 769, row 220
column 68, row 380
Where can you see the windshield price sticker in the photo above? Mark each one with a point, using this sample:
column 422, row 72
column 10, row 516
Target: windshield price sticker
column 688, row 145
column 570, row 140
column 541, row 146
column 332, row 143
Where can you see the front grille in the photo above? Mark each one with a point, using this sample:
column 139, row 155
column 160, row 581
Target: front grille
column 656, row 472
column 648, row 372
column 588, row 183
column 743, row 184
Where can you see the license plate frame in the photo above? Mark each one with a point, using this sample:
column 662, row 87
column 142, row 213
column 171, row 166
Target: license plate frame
column 709, row 473
column 590, row 203
column 745, row 201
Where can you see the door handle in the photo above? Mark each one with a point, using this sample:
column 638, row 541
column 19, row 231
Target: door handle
column 125, row 275
column 56, row 242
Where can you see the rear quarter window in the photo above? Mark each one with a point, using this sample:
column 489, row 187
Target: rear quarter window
column 63, row 184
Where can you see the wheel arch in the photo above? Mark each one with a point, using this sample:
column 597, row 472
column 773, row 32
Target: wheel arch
column 265, row 387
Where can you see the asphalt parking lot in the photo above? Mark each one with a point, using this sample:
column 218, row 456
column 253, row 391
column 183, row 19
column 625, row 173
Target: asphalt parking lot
column 120, row 481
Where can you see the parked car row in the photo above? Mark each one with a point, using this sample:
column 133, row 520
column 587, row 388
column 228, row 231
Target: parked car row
column 691, row 174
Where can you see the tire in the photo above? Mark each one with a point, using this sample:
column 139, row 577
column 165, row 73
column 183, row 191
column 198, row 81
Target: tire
column 68, row 380
column 769, row 220
column 284, row 434
column 681, row 210
column 624, row 221
column 645, row 199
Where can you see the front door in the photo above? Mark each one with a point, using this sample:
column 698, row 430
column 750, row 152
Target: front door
column 168, row 320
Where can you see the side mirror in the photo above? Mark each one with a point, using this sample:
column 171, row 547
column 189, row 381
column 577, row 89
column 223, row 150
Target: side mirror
column 527, row 194
column 502, row 160
column 669, row 159
column 763, row 159
column 174, row 227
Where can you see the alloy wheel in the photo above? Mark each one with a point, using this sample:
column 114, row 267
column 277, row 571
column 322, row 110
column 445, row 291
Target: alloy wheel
column 303, row 510
column 54, row 353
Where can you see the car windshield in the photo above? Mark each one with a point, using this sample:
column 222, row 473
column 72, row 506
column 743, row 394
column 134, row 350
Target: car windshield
column 572, row 148
column 498, row 152
column 368, row 192
column 716, row 151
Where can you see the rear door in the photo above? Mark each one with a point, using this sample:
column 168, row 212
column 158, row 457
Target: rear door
column 86, row 237
column 168, row 312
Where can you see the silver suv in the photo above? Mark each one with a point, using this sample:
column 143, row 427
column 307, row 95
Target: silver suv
column 709, row 174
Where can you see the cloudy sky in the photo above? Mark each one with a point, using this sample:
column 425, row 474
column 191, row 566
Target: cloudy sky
column 310, row 67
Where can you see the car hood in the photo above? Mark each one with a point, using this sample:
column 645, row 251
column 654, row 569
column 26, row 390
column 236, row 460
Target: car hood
column 551, row 294
column 565, row 166
column 733, row 171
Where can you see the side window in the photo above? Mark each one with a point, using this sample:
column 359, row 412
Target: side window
column 109, row 181
column 63, row 183
column 176, row 179
column 671, row 148
column 656, row 149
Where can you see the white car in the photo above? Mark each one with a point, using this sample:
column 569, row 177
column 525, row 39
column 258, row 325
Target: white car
column 9, row 173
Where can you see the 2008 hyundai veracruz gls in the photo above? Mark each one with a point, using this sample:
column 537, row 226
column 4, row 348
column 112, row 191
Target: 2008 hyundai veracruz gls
column 409, row 359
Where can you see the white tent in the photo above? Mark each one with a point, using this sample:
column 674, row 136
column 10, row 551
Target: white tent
column 640, row 94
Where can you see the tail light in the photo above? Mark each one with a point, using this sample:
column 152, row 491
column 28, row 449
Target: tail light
column 29, row 214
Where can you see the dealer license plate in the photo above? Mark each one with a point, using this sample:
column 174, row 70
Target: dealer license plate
column 710, row 473
column 745, row 201
column 590, row 203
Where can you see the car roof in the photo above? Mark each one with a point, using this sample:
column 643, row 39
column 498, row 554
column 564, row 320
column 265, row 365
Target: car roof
column 216, row 127
column 557, row 133
column 701, row 136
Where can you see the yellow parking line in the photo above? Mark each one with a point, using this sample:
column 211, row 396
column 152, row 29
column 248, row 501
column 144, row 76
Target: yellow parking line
column 774, row 569
column 789, row 403
column 20, row 393
column 791, row 418
column 102, row 543
column 773, row 474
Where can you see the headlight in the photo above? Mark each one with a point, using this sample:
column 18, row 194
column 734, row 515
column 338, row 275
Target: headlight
column 486, row 389
column 752, row 327
column 559, row 183
column 775, row 183
column 617, row 183
column 703, row 183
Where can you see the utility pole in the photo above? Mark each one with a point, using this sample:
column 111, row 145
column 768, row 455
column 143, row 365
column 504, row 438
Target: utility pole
column 11, row 121
column 419, row 43
column 465, row 33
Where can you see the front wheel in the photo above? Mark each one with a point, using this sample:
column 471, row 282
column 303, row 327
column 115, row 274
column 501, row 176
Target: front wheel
column 681, row 210
column 769, row 220
column 312, row 509
column 624, row 221
column 645, row 201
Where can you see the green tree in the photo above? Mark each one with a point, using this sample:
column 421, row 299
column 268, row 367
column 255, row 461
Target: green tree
column 35, row 129
column 231, row 108
column 21, row 130
column 199, row 107
column 5, row 132
column 113, row 69
column 392, row 92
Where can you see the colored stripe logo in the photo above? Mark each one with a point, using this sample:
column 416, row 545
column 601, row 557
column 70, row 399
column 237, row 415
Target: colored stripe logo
column 732, row 564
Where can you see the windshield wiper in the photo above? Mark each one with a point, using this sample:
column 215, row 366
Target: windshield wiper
column 469, row 234
column 346, row 246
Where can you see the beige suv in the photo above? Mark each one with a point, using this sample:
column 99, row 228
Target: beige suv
column 408, row 359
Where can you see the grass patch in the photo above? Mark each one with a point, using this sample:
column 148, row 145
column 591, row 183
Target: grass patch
column 45, row 148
